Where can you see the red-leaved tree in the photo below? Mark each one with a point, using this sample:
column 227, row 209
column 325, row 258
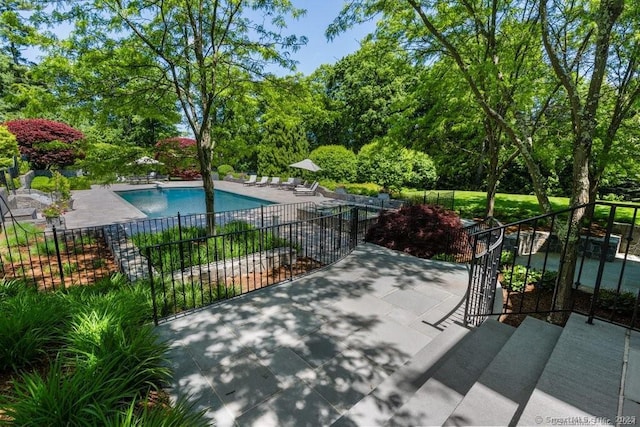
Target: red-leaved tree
column 421, row 230
column 46, row 143
column 180, row 157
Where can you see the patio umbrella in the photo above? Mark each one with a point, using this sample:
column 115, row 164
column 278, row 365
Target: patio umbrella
column 146, row 160
column 306, row 164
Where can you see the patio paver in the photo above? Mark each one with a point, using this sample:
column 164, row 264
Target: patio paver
column 304, row 352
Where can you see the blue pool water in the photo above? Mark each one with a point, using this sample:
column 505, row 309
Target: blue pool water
column 166, row 202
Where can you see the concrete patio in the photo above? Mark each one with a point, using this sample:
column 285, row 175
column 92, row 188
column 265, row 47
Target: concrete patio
column 304, row 352
column 377, row 339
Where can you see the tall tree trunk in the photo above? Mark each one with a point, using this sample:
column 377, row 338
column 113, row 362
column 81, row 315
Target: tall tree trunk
column 570, row 236
column 493, row 172
column 205, row 153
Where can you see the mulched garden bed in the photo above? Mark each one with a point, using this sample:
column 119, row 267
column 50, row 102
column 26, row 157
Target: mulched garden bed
column 540, row 300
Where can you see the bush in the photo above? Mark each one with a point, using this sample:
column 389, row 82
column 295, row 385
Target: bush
column 46, row 143
column 382, row 165
column 337, row 163
column 420, row 170
column 30, row 324
column 43, row 183
column 80, row 183
column 105, row 357
column 420, row 230
column 8, row 147
column 225, row 170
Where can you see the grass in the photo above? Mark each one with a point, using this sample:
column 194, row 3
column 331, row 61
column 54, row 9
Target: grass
column 516, row 207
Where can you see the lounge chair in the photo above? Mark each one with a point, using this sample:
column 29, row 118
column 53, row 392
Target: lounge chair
column 275, row 181
column 311, row 191
column 288, row 184
column 263, row 181
column 251, row 180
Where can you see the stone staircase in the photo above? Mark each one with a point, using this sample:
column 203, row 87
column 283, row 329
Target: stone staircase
column 537, row 374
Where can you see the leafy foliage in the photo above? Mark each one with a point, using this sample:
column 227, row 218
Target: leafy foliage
column 381, row 164
column 420, row 230
column 8, row 147
column 420, row 170
column 337, row 162
column 46, row 143
column 225, row 170
column 179, row 155
column 103, row 161
column 101, row 357
column 282, row 144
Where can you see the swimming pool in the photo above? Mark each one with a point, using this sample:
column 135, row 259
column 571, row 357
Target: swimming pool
column 166, row 202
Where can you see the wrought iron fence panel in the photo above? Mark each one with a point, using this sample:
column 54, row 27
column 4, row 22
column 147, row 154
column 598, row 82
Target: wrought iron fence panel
column 554, row 264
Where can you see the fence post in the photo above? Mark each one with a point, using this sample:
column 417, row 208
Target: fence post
column 57, row 246
column 340, row 228
column 353, row 241
column 261, row 216
column 153, row 288
column 180, row 246
column 290, row 251
column 472, row 268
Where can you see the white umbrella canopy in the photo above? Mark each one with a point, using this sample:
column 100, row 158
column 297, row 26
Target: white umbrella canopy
column 146, row 160
column 306, row 164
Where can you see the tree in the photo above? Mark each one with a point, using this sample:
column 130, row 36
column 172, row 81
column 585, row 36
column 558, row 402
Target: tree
column 179, row 155
column 46, row 143
column 577, row 42
column 282, row 143
column 102, row 161
column 361, row 89
column 197, row 42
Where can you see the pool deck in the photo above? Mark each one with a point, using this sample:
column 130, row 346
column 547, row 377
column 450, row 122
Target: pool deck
column 101, row 206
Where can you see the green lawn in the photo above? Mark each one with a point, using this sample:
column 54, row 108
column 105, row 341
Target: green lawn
column 515, row 207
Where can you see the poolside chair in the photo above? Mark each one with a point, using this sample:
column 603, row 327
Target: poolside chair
column 263, row 181
column 251, row 180
column 288, row 184
column 311, row 191
column 275, row 181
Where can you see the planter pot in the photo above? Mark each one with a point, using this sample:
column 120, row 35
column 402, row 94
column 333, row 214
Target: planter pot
column 57, row 222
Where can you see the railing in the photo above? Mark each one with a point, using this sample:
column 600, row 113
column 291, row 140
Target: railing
column 549, row 266
column 446, row 199
column 196, row 272
column 58, row 258
column 486, row 246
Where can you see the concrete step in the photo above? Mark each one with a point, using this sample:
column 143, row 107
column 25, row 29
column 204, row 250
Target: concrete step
column 502, row 391
column 380, row 405
column 453, row 377
column 582, row 376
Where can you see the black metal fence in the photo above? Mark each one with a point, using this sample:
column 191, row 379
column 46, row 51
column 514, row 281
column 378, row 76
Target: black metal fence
column 196, row 272
column 55, row 258
column 50, row 257
column 553, row 264
column 446, row 199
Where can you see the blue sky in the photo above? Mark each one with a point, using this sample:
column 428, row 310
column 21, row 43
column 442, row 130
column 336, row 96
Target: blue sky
column 318, row 51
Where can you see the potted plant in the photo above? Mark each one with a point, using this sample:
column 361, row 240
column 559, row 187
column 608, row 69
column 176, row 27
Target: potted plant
column 52, row 214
